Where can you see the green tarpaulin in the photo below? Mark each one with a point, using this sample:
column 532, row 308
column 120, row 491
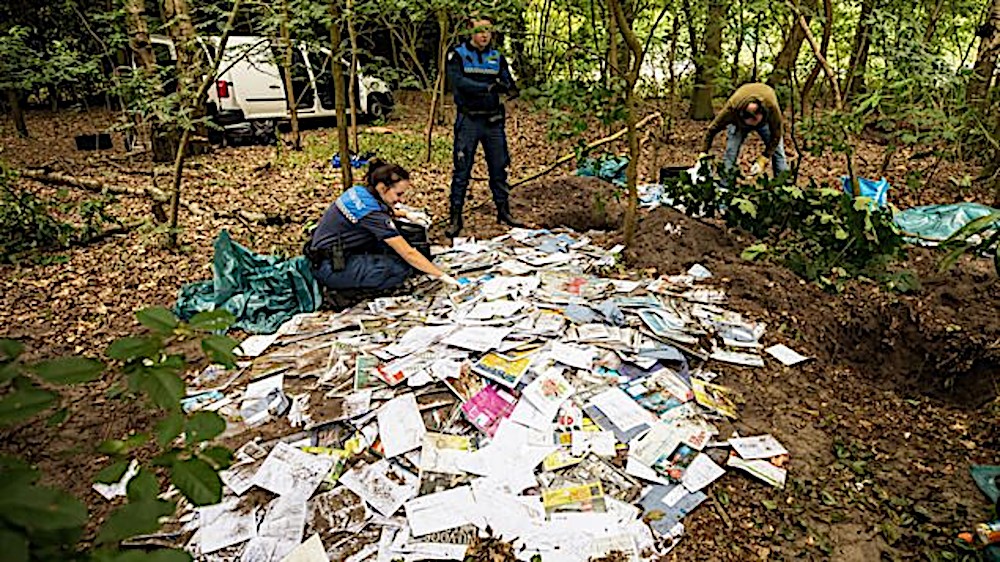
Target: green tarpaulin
column 261, row 291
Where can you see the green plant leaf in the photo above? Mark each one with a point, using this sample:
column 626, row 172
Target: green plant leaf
column 39, row 508
column 133, row 518
column 976, row 226
column 212, row 320
column 69, row 370
column 112, row 473
column 197, row 481
column 11, row 349
column 169, row 428
column 143, row 487
column 14, row 546
column 25, row 401
column 163, row 387
column 219, row 349
column 158, row 319
column 126, row 349
column 203, row 426
column 221, row 457
column 755, row 251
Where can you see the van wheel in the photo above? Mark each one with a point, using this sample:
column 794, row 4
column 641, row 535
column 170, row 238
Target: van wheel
column 378, row 107
column 265, row 131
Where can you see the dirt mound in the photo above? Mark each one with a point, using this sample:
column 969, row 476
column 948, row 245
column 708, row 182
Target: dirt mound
column 940, row 341
column 580, row 203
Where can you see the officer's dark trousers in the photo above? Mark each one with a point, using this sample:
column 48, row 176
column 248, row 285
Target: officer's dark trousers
column 469, row 132
column 365, row 271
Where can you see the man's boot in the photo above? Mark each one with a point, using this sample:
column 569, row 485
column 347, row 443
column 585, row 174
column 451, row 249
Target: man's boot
column 504, row 216
column 454, row 223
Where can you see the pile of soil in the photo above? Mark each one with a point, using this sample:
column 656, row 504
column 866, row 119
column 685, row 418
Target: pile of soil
column 942, row 340
column 580, row 203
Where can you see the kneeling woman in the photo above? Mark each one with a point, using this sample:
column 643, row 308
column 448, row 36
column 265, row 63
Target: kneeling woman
column 357, row 245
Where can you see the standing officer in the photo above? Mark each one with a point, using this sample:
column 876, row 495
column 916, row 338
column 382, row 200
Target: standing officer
column 479, row 75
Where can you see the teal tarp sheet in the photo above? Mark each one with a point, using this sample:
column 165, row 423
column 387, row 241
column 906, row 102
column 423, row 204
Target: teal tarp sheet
column 261, row 291
column 608, row 167
column 938, row 222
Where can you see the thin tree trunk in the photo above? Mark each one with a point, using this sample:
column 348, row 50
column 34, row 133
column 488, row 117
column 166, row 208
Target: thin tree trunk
column 675, row 30
column 858, row 64
column 824, row 45
column 734, row 72
column 16, row 113
column 439, row 82
column 704, row 87
column 835, row 86
column 784, row 64
column 287, row 61
column 199, row 95
column 612, row 49
column 986, row 59
column 756, row 50
column 337, row 70
column 631, row 77
column 353, row 74
column 932, row 21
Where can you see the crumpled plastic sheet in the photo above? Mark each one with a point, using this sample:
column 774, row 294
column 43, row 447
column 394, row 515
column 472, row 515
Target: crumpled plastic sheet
column 261, row 291
column 935, row 223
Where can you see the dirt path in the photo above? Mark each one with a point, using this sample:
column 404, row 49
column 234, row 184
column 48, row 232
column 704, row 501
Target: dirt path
column 880, row 439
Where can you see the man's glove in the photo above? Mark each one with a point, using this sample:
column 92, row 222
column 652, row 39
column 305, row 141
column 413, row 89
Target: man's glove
column 704, row 156
column 449, row 280
column 499, row 87
column 759, row 166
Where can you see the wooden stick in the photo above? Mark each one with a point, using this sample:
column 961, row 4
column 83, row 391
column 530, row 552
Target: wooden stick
column 599, row 142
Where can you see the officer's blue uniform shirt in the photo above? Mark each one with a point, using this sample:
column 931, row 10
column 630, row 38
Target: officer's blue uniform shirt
column 471, row 73
column 359, row 218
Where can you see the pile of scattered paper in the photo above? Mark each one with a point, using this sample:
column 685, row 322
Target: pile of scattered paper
column 566, row 413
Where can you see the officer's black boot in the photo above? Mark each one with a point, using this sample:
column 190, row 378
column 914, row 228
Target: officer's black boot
column 454, row 223
column 504, row 216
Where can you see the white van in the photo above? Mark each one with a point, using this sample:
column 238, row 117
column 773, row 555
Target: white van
column 248, row 99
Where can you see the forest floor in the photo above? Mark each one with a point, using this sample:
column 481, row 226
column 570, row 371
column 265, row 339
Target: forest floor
column 882, row 426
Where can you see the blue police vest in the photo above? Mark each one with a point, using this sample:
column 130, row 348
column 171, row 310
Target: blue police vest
column 356, row 203
column 475, row 65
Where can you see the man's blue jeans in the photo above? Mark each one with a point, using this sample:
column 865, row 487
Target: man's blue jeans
column 365, row 271
column 734, row 141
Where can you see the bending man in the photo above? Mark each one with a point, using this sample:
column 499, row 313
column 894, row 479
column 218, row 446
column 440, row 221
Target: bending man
column 752, row 107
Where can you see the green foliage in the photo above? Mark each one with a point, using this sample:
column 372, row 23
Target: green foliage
column 820, row 233
column 573, row 106
column 29, row 223
column 42, row 523
column 981, row 237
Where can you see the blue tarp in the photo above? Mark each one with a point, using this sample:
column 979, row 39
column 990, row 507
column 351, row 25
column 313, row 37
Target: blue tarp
column 938, row 222
column 875, row 190
column 608, row 167
column 261, row 291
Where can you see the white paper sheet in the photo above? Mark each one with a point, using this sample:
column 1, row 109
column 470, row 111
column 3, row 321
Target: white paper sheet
column 758, row 447
column 601, row 443
column 762, row 469
column 385, row 486
column 440, row 511
column 253, row 346
column 786, row 355
column 701, row 472
column 575, row 356
column 635, row 468
column 119, row 488
column 400, row 425
column 287, row 470
column 223, row 525
column 621, row 410
column 477, row 338
column 310, row 551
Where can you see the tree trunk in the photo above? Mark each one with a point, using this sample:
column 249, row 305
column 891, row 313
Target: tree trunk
column 734, row 71
column 932, row 20
column 784, row 64
column 339, row 91
column 707, row 68
column 138, row 31
column 858, row 65
column 986, row 59
column 195, row 102
column 16, row 113
column 353, row 75
column 439, row 82
column 612, row 49
column 287, row 61
column 824, row 45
